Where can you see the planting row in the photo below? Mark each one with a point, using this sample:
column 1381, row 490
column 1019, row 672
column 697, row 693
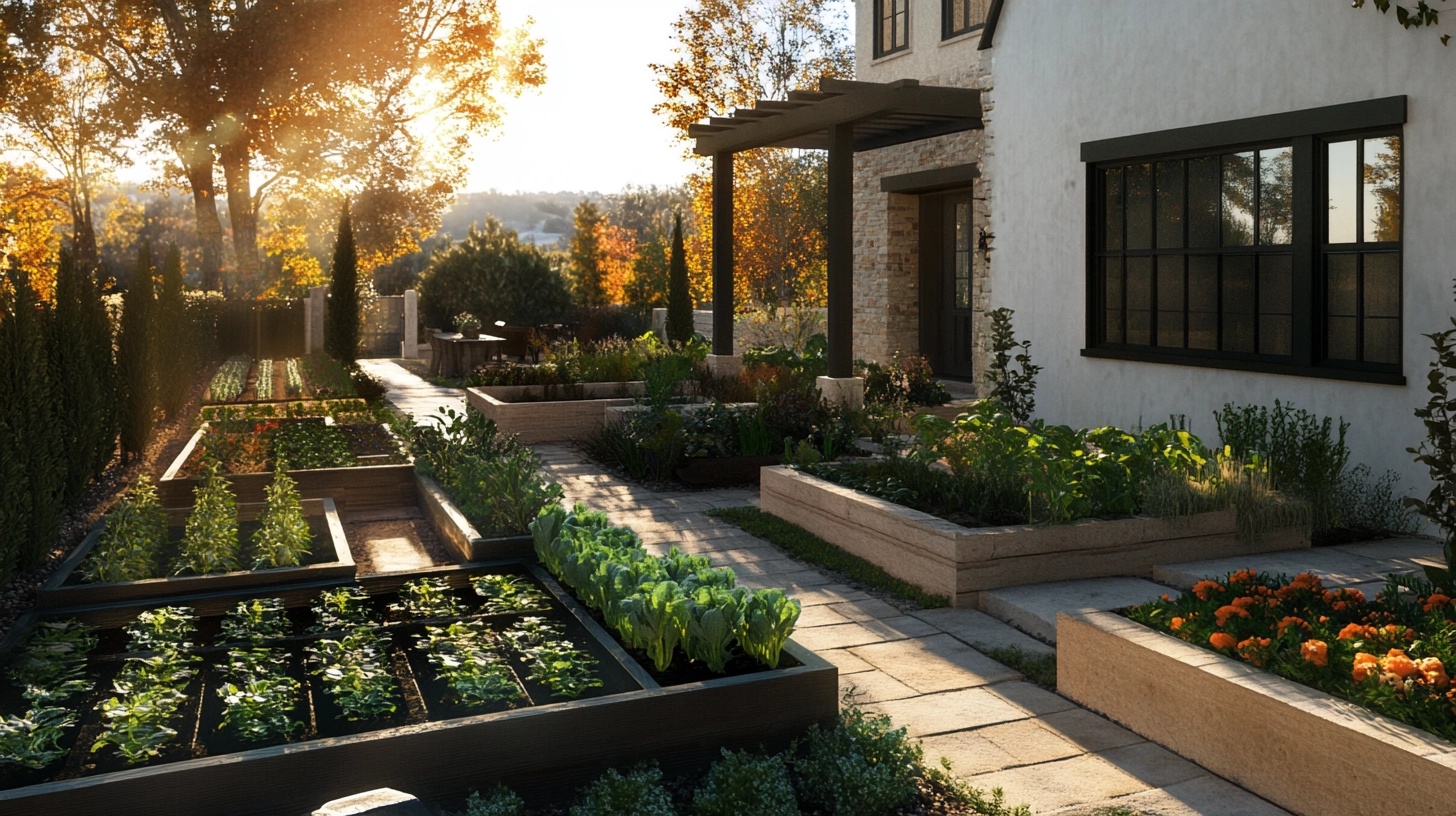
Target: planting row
column 316, row 376
column 171, row 685
column 303, row 443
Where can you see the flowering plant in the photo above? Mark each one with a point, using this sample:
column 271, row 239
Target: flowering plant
column 1389, row 655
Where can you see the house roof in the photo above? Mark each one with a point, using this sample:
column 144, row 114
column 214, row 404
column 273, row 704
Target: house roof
column 880, row 113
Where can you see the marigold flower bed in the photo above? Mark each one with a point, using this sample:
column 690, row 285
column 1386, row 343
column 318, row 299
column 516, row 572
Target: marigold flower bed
column 1389, row 655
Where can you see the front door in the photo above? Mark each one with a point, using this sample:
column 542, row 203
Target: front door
column 956, row 260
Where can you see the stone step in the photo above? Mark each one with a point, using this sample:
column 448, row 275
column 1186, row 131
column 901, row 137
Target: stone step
column 981, row 631
column 1361, row 566
column 1033, row 609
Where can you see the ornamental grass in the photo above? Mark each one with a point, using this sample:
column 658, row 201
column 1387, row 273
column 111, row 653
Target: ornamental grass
column 1389, row 655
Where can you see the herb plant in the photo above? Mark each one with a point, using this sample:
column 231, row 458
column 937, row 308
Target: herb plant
column 640, row 793
column 282, row 538
column 230, row 380
column 263, row 385
column 135, row 528
column 355, row 671
column 166, row 628
column 860, row 767
column 346, row 607
column 34, row 741
column 255, row 620
column 1014, row 389
column 259, row 698
column 210, row 541
column 428, row 598
column 742, row 782
column 464, row 656
column 51, row 666
column 306, row 445
column 498, row 801
column 509, row 593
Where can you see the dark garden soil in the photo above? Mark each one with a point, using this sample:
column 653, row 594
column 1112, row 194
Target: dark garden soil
column 17, row 596
column 407, row 524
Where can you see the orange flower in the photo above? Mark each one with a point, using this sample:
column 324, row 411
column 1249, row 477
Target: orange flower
column 1243, row 576
column 1316, row 652
column 1398, row 663
column 1365, row 665
column 1352, row 631
column 1175, row 624
column 1306, row 580
column 1252, row 649
column 1433, row 670
column 1435, row 601
column 1226, row 612
column 1291, row 621
column 1243, row 602
column 1203, row 588
column 1222, row 640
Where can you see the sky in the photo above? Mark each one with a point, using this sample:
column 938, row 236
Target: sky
column 591, row 126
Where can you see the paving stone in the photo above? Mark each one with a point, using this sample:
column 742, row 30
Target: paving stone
column 829, row 593
column 1048, row 786
column 935, row 663
column 844, row 635
column 1031, row 698
column 846, row 661
column 872, row 687
column 949, row 711
column 1152, row 763
column 1334, row 566
column 982, row 631
column 871, row 609
column 1033, row 609
column 996, row 747
column 1088, row 731
column 820, row 615
column 1205, row 795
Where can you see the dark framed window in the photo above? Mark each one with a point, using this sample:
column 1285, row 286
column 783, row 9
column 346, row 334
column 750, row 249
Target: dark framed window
column 1279, row 250
column 892, row 26
column 958, row 17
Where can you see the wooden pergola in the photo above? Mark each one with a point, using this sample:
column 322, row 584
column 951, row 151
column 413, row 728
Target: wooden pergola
column 842, row 117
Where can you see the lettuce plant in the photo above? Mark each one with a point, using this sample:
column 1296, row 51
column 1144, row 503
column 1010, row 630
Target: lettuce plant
column 463, row 656
column 355, row 671
column 428, row 598
column 714, row 619
column 33, row 741
column 282, row 538
column 255, row 620
column 135, row 528
column 166, row 628
column 230, row 380
column 51, row 666
column 346, row 607
column 509, row 593
column 263, row 386
column 568, row 671
column 210, row 542
column 259, row 698
column 655, row 621
column 768, row 620
column 150, row 693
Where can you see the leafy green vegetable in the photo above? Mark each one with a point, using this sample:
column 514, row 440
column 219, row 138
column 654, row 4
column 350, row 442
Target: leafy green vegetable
column 255, row 620
column 354, row 670
column 210, row 543
column 135, row 528
column 282, row 538
column 161, row 629
column 259, row 698
column 768, row 620
column 51, row 666
column 343, row 608
column 509, row 593
column 655, row 621
column 429, row 598
column 33, row 741
column 714, row 619
column 463, row 655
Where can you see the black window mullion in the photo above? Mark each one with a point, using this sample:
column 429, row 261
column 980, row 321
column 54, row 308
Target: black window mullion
column 1308, row 298
column 1360, row 294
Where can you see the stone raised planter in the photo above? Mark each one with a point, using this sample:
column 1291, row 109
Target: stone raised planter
column 353, row 489
column 545, row 751
column 958, row 562
column 1300, row 748
column 330, row 559
column 536, row 413
column 460, row 535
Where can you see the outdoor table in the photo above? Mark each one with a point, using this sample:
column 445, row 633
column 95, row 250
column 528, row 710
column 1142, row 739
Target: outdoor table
column 455, row 355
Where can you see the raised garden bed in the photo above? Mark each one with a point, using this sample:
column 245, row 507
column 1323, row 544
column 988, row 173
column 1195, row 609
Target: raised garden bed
column 329, row 558
column 532, row 748
column 551, row 413
column 459, row 534
column 240, row 380
column 1298, row 747
column 729, row 470
column 358, row 487
column 958, row 562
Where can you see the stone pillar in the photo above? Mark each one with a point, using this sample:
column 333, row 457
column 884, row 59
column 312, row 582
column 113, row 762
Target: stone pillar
column 842, row 390
column 840, row 235
column 410, row 348
column 313, row 319
column 724, row 365
column 723, row 253
column 659, row 321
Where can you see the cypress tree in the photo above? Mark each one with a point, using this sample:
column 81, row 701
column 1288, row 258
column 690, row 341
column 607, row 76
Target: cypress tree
column 679, row 302
column 30, row 437
column 81, row 368
column 136, row 359
column 341, row 317
column 176, row 369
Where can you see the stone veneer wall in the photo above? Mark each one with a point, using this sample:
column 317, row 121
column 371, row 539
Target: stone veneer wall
column 887, row 231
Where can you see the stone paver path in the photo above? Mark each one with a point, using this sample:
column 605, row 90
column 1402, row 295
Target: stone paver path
column 410, row 394
column 924, row 668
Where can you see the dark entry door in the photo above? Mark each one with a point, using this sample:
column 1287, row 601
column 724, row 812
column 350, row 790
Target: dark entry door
column 956, row 259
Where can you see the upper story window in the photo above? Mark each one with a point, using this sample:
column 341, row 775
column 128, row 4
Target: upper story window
column 958, row 17
column 1280, row 252
column 892, row 26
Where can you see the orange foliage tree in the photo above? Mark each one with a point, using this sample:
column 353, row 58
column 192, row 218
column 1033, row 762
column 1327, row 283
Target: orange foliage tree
column 33, row 219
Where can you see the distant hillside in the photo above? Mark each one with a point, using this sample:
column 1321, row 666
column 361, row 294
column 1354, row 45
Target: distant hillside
column 541, row 217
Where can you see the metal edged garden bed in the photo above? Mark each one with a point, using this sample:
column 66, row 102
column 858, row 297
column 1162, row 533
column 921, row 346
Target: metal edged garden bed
column 330, row 559
column 543, row 750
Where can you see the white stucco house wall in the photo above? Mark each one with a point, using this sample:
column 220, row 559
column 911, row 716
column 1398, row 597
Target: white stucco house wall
column 1189, row 204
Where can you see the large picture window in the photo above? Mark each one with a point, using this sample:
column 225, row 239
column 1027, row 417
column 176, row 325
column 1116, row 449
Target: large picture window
column 892, row 26
column 1279, row 254
column 959, row 17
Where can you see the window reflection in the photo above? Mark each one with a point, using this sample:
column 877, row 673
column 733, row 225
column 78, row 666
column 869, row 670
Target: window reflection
column 1343, row 181
column 1381, row 178
column 1238, row 199
column 1276, row 196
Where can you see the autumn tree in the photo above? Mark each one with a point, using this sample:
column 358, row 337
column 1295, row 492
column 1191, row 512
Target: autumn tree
column 494, row 276
column 586, row 255
column 33, row 217
column 731, row 53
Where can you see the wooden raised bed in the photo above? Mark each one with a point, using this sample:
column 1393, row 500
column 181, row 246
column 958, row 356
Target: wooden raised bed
column 534, row 414
column 330, row 559
column 353, row 489
column 460, row 535
column 544, row 751
column 1300, row 748
column 958, row 562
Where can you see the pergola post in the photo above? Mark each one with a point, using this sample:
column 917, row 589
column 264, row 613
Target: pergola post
column 841, row 251
column 723, row 254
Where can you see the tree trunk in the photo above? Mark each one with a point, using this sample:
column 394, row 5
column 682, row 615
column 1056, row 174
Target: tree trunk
column 197, row 163
column 236, row 170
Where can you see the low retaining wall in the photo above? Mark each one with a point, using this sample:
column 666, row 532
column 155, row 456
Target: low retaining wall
column 460, row 535
column 525, row 411
column 333, row 560
column 1298, row 747
column 960, row 562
